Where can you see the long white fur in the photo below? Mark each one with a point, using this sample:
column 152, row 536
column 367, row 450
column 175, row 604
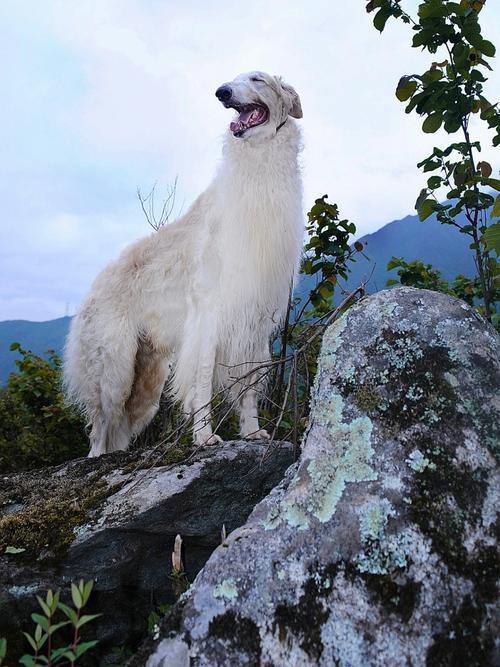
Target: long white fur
column 203, row 294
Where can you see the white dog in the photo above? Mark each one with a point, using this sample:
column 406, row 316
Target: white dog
column 203, row 295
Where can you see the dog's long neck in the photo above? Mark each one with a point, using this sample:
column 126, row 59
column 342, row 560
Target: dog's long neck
column 248, row 164
column 258, row 195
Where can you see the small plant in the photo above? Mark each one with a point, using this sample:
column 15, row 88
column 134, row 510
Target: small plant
column 46, row 639
column 328, row 250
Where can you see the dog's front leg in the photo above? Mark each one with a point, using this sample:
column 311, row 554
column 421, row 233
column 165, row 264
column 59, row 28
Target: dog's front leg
column 249, row 420
column 201, row 401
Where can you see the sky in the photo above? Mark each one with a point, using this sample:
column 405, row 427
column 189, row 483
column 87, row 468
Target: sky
column 101, row 97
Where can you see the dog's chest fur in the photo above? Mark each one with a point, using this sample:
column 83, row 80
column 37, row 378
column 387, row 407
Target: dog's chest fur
column 258, row 224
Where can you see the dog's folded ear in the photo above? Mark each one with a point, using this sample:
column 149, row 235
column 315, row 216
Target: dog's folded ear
column 293, row 100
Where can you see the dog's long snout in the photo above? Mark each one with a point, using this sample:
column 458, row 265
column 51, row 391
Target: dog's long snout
column 223, row 93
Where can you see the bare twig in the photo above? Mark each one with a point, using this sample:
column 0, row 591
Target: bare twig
column 149, row 208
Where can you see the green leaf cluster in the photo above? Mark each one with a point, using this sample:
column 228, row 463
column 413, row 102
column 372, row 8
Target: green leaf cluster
column 37, row 428
column 49, row 643
column 328, row 250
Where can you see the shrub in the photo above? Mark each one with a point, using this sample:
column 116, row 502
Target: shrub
column 37, row 428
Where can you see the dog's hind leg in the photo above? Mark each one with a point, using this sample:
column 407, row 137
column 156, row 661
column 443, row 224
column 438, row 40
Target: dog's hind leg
column 151, row 371
column 113, row 384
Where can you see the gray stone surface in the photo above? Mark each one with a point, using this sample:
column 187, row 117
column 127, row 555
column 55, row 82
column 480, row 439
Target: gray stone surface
column 380, row 547
column 114, row 519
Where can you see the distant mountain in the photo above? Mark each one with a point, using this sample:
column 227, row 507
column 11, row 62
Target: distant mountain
column 440, row 245
column 35, row 336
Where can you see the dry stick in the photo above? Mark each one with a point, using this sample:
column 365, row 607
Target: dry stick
column 284, row 345
column 295, row 409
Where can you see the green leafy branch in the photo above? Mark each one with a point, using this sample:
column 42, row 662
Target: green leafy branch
column 447, row 95
column 45, row 652
column 328, row 250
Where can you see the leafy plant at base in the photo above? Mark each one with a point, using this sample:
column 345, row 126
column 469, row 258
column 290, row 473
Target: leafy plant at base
column 43, row 640
column 36, row 426
column 448, row 94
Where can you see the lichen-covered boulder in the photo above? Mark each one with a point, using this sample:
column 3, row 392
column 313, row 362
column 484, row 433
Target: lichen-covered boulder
column 379, row 547
column 114, row 519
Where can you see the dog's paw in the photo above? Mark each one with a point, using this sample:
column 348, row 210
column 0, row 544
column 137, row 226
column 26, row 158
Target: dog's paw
column 261, row 434
column 208, row 441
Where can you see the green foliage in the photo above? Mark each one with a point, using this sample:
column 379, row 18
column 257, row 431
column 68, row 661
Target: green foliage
column 36, row 426
column 49, row 645
column 327, row 250
column 155, row 617
column 327, row 255
column 425, row 276
column 417, row 274
column 447, row 95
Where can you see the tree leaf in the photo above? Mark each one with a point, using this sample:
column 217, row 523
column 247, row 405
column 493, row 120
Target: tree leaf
column 485, row 169
column 405, row 89
column 380, row 19
column 491, row 238
column 70, row 613
column 495, row 211
column 493, row 182
column 86, row 619
column 41, row 620
column 432, row 123
column 85, row 646
column 434, row 182
column 426, row 209
column 487, row 48
column 31, row 641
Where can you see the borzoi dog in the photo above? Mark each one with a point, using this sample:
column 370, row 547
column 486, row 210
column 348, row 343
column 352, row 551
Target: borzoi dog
column 200, row 298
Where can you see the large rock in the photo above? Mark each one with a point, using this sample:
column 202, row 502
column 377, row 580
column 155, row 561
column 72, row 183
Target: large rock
column 114, row 519
column 380, row 546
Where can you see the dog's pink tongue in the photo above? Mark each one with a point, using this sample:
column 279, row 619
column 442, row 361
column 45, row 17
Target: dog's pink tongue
column 243, row 119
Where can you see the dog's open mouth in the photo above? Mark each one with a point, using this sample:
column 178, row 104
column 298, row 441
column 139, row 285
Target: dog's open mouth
column 250, row 115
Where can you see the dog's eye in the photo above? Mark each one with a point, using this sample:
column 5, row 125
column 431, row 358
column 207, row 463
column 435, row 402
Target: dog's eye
column 257, row 80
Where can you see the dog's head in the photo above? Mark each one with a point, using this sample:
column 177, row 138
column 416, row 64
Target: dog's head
column 263, row 103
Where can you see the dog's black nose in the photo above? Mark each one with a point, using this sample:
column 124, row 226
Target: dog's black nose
column 223, row 93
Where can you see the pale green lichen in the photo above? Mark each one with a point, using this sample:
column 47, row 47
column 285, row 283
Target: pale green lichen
column 332, row 340
column 351, row 464
column 418, row 462
column 226, row 589
column 295, row 517
column 385, row 554
column 348, row 460
column 373, row 519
